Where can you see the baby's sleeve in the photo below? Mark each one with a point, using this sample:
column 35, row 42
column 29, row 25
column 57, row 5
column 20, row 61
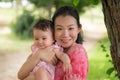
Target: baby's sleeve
column 34, row 48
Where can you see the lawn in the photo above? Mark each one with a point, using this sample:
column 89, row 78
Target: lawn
column 99, row 62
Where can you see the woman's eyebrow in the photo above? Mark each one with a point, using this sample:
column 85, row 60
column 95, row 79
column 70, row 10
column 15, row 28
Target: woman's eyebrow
column 70, row 25
column 67, row 25
column 58, row 25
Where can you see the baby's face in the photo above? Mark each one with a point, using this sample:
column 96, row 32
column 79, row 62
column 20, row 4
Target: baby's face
column 43, row 39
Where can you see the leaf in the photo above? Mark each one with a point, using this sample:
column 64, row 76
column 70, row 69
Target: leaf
column 107, row 55
column 110, row 70
column 76, row 2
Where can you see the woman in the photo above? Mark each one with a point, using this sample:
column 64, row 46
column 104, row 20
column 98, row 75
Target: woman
column 67, row 34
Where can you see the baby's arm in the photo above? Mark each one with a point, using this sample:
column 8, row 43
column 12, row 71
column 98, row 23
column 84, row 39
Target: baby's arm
column 65, row 59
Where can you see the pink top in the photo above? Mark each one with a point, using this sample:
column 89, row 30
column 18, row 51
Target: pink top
column 79, row 61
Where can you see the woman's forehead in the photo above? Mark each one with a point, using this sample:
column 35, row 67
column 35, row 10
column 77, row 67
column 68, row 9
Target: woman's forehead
column 65, row 20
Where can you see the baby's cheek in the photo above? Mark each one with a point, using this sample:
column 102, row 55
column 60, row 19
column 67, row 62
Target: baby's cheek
column 35, row 42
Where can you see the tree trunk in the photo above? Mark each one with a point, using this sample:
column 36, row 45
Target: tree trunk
column 50, row 9
column 111, row 11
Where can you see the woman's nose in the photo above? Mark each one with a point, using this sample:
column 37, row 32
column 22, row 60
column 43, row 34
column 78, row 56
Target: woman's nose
column 65, row 33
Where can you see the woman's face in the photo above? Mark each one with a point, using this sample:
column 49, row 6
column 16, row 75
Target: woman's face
column 66, row 30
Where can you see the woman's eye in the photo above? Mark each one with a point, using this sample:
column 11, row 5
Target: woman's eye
column 58, row 29
column 71, row 28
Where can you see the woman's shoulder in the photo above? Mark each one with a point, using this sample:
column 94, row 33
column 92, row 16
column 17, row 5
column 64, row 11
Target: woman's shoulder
column 78, row 45
column 77, row 48
column 78, row 52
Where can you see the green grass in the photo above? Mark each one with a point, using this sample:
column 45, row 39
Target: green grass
column 99, row 62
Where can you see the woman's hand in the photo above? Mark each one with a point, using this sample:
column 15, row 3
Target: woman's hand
column 30, row 77
column 24, row 71
column 47, row 55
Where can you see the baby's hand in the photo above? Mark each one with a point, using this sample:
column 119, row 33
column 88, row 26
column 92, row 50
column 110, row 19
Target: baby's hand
column 67, row 67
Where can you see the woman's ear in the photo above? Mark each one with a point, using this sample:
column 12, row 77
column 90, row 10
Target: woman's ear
column 79, row 28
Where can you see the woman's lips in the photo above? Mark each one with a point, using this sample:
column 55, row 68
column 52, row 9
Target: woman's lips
column 65, row 41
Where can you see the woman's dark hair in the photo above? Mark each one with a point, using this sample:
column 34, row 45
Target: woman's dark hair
column 68, row 10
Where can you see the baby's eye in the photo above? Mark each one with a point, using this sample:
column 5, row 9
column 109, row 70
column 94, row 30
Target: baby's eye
column 44, row 38
column 36, row 39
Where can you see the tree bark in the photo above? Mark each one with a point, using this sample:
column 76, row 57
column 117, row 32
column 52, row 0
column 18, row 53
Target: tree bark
column 111, row 11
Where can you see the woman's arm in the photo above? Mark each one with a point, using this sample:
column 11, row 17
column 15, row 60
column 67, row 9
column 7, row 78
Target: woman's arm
column 46, row 55
column 28, row 66
column 30, row 77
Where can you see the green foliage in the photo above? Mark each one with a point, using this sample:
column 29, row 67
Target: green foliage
column 86, row 3
column 111, row 71
column 40, row 3
column 95, row 2
column 78, row 4
column 23, row 26
column 75, row 2
column 100, row 62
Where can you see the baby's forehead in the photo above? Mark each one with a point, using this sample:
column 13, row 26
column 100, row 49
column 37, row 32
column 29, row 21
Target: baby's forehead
column 40, row 32
column 48, row 30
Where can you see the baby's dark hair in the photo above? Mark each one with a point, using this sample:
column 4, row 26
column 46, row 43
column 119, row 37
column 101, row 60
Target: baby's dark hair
column 43, row 24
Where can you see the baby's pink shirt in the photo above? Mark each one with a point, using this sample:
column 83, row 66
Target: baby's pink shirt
column 49, row 67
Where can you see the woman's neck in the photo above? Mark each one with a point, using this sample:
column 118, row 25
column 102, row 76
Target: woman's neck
column 68, row 48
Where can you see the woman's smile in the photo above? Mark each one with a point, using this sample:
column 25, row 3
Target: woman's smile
column 65, row 40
